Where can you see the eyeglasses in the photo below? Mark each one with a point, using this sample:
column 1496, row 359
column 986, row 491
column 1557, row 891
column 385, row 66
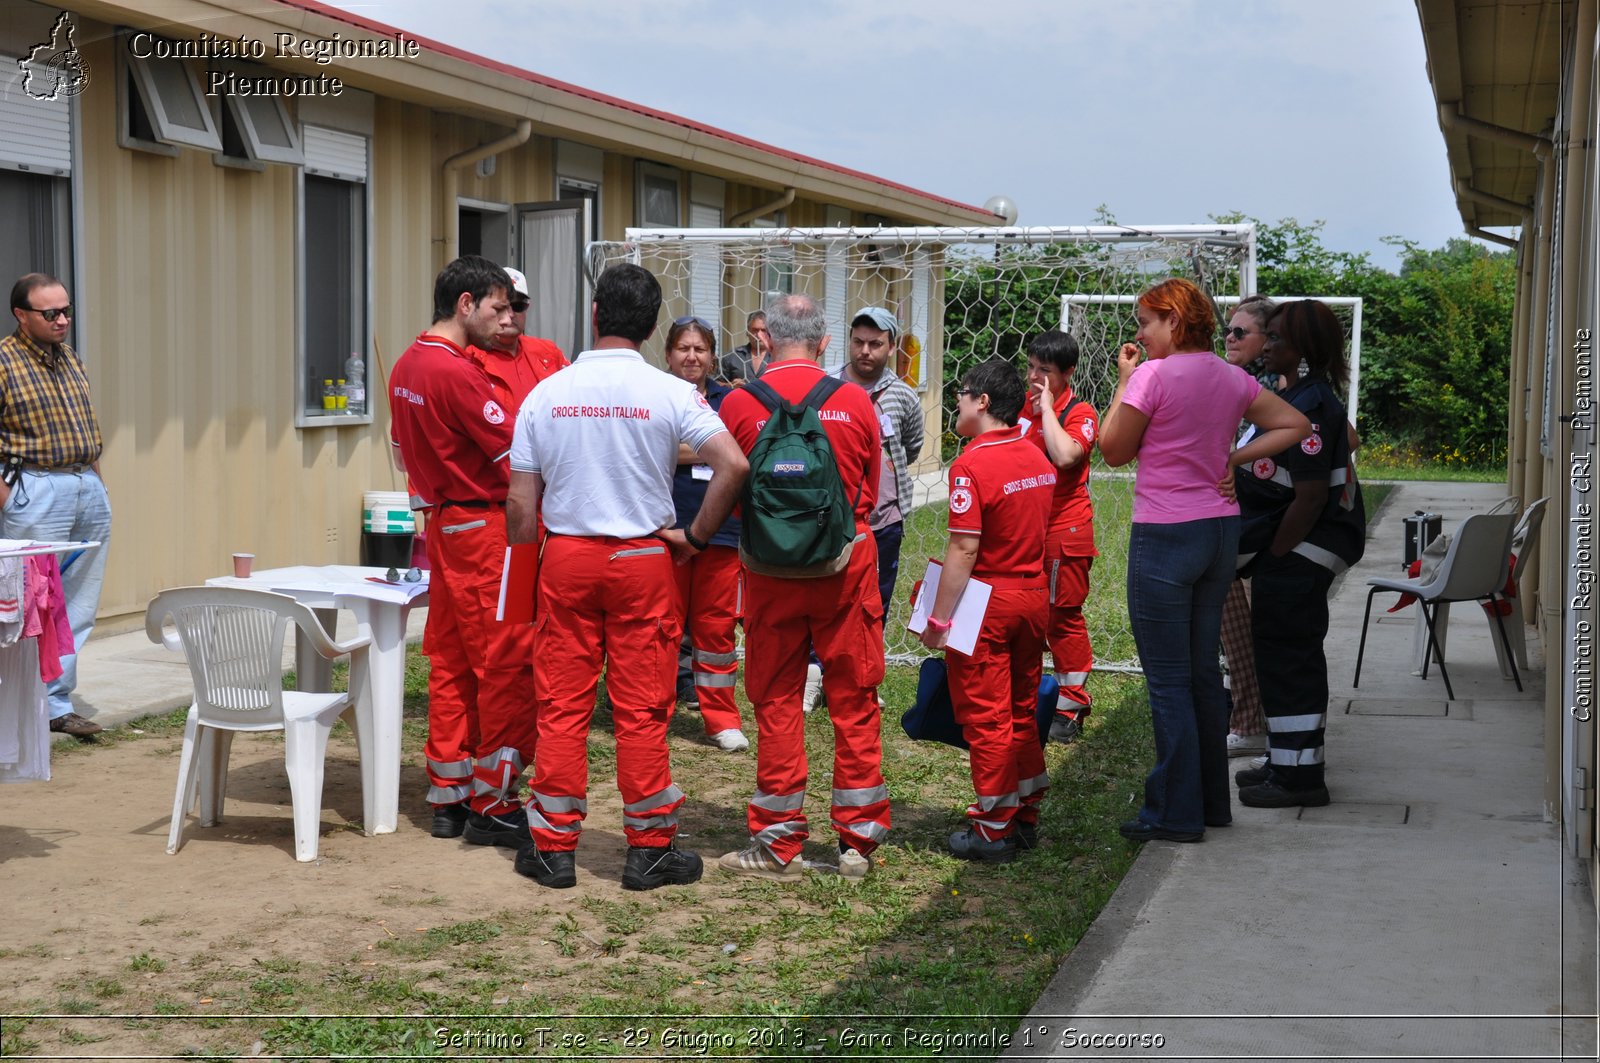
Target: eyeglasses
column 965, row 391
column 520, row 305
column 691, row 319
column 50, row 314
column 1237, row 333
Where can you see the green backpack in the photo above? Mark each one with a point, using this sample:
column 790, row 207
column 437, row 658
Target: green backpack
column 796, row 522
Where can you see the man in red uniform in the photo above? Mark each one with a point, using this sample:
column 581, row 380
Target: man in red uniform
column 595, row 449
column 1064, row 427
column 840, row 616
column 452, row 435
column 1000, row 491
column 515, row 361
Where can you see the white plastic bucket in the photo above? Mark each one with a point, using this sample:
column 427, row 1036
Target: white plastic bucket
column 387, row 513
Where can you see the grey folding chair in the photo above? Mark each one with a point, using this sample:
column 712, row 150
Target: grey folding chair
column 1523, row 543
column 1474, row 570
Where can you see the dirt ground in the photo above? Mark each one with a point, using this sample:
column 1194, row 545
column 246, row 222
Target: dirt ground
column 90, row 887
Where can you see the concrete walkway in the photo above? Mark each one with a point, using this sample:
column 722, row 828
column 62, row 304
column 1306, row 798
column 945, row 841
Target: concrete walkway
column 1430, row 912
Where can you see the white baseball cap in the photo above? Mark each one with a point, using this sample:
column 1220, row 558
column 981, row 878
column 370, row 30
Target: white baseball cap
column 519, row 283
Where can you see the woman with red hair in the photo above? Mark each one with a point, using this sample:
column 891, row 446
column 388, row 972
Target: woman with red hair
column 1177, row 412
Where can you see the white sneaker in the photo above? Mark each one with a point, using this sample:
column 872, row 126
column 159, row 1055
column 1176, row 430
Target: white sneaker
column 732, row 740
column 813, row 694
column 1259, row 762
column 853, row 865
column 1245, row 745
column 756, row 862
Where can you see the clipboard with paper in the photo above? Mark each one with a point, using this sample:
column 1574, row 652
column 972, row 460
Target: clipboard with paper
column 965, row 622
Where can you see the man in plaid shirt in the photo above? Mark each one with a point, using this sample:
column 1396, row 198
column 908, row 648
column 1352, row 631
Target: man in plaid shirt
column 50, row 444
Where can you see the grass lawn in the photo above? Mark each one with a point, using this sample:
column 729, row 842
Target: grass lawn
column 728, row 967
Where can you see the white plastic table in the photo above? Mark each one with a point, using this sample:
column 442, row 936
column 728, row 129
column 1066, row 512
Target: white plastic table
column 380, row 611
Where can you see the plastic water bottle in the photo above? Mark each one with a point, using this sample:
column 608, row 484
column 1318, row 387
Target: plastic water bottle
column 329, row 400
column 341, row 397
column 355, row 372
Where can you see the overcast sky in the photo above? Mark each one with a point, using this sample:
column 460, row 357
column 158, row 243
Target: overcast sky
column 1166, row 111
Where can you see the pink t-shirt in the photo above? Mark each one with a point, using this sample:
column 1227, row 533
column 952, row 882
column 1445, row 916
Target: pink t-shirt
column 1194, row 402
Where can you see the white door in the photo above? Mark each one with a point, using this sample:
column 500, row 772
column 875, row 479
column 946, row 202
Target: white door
column 551, row 238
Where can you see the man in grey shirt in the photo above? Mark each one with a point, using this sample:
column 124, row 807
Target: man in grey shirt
column 745, row 363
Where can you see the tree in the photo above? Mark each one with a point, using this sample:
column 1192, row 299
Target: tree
column 1435, row 338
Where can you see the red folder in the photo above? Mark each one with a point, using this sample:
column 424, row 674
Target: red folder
column 519, row 582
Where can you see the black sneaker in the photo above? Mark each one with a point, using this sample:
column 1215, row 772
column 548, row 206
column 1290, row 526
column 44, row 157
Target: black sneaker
column 1065, row 728
column 1253, row 776
column 688, row 696
column 968, row 846
column 1271, row 794
column 449, row 821
column 1027, row 835
column 556, row 870
column 652, row 866
column 509, row 829
column 1139, row 831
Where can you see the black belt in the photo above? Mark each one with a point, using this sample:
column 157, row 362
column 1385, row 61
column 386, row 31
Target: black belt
column 81, row 466
column 476, row 503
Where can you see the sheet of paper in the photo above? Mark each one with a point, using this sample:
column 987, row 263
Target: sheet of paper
column 965, row 622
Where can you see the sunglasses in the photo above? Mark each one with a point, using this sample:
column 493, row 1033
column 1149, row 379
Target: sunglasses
column 50, row 314
column 520, row 306
column 691, row 319
column 1237, row 333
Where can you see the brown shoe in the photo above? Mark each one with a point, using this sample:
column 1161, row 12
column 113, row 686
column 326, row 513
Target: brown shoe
column 75, row 725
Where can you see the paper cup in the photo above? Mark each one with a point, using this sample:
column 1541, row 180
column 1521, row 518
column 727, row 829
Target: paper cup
column 241, row 565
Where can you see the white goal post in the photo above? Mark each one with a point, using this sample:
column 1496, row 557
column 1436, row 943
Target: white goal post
column 963, row 295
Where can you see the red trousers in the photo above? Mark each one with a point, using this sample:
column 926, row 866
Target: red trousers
column 1068, row 635
column 480, row 688
column 709, row 591
column 841, row 617
column 994, row 693
column 612, row 602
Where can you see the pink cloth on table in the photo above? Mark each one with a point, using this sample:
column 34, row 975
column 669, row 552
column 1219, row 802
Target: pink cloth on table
column 32, row 595
column 1194, row 402
column 47, row 606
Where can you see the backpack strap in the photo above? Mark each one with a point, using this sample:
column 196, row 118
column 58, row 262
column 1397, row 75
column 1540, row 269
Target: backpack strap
column 765, row 394
column 821, row 391
column 1066, row 414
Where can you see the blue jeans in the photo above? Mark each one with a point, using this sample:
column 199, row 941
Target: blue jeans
column 1178, row 577
column 65, row 506
column 889, row 538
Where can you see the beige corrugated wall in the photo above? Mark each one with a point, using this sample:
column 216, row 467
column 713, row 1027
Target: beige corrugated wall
column 189, row 275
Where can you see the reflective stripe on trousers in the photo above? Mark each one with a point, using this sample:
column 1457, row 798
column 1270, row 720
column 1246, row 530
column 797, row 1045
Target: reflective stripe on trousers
column 605, row 601
column 840, row 616
column 708, row 601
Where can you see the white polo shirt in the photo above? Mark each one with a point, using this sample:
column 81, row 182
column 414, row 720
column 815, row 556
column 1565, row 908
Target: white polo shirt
column 604, row 435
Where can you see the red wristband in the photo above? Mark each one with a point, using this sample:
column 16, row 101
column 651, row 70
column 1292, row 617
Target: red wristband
column 937, row 624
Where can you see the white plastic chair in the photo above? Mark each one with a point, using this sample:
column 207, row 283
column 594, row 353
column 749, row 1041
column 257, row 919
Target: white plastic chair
column 1474, row 569
column 233, row 639
column 1524, row 540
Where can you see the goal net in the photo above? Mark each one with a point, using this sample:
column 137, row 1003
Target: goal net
column 962, row 296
